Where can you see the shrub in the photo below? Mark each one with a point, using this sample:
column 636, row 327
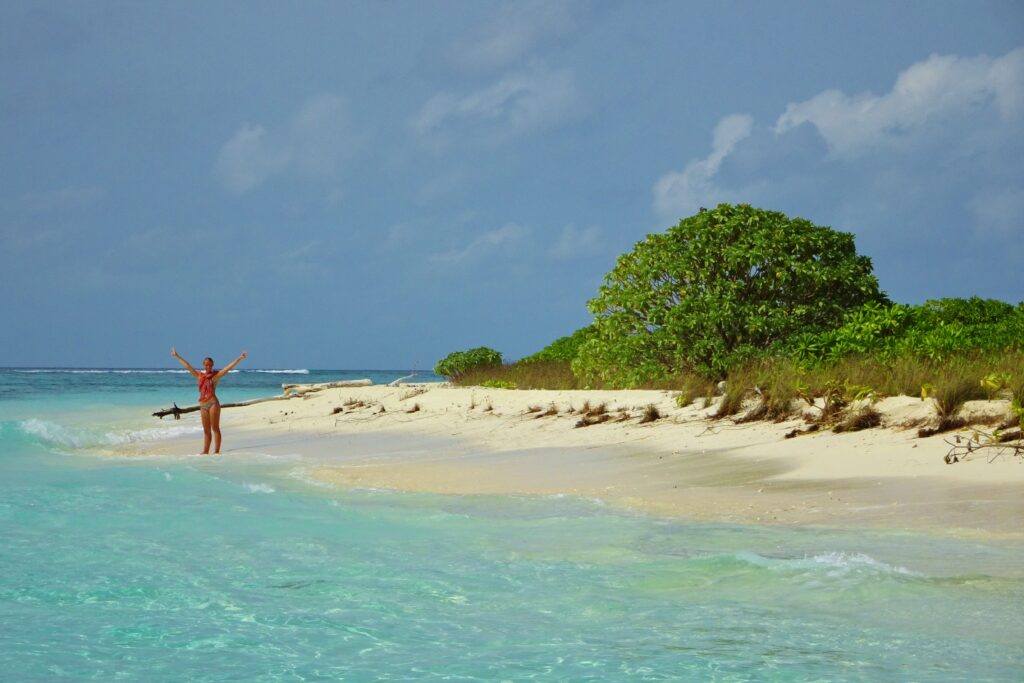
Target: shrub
column 532, row 375
column 457, row 363
column 936, row 331
column 718, row 287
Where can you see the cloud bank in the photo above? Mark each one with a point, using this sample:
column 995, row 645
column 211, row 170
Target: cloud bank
column 485, row 245
column 313, row 143
column 516, row 103
column 514, row 30
column 927, row 170
column 927, row 94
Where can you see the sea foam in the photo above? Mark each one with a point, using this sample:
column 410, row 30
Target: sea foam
column 71, row 437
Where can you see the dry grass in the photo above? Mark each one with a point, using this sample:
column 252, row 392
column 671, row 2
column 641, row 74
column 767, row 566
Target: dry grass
column 864, row 417
column 550, row 412
column 651, row 414
column 778, row 382
column 951, row 392
column 415, row 391
column 589, row 421
column 536, row 375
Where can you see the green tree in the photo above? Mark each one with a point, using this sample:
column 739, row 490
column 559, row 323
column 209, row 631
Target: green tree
column 717, row 287
column 563, row 349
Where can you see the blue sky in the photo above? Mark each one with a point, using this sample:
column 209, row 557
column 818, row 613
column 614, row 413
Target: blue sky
column 373, row 185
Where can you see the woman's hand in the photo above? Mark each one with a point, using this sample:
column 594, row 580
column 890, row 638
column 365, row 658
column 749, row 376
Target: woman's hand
column 244, row 355
column 174, row 353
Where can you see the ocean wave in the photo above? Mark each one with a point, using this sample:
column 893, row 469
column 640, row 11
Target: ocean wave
column 97, row 371
column 69, row 437
column 831, row 563
column 260, row 488
column 138, row 371
column 300, row 371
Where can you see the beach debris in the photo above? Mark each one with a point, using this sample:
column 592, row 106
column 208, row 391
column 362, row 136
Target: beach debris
column 944, row 425
column 593, row 420
column 532, row 409
column 414, row 409
column 995, row 444
column 178, row 412
column 411, row 393
column 402, row 379
column 552, row 410
column 303, row 389
column 798, row 432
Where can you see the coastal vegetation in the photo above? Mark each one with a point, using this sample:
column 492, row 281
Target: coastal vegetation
column 458, row 363
column 783, row 311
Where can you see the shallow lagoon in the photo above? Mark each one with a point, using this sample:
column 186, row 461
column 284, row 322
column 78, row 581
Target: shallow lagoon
column 238, row 568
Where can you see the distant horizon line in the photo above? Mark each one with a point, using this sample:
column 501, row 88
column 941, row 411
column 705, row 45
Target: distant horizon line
column 129, row 367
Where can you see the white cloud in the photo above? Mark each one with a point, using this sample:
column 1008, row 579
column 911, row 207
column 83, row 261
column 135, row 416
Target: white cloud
column 575, row 242
column 314, row 143
column 249, row 158
column 928, row 92
column 681, row 193
column 518, row 102
column 514, row 30
column 484, row 245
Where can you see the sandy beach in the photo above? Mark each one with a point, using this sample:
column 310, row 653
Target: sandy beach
column 684, row 464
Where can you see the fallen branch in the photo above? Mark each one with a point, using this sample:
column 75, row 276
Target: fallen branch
column 400, row 380
column 303, row 389
column 995, row 444
column 178, row 412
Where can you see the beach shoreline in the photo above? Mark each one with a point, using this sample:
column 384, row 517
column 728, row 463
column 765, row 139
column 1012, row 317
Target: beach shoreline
column 480, row 441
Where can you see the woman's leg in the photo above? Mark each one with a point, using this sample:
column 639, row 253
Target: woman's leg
column 205, row 414
column 215, row 420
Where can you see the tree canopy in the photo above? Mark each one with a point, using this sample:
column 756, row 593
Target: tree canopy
column 720, row 284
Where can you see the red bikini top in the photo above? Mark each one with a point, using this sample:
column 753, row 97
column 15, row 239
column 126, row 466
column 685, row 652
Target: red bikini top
column 206, row 386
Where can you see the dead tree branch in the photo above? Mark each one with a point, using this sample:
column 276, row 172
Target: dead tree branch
column 994, row 445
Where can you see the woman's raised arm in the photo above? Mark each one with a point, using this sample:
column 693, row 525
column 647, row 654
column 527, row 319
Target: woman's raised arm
column 184, row 362
column 231, row 365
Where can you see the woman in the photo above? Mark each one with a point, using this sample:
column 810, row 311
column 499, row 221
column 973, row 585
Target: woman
column 209, row 406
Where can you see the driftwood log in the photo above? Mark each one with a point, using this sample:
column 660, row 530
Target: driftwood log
column 290, row 391
column 400, row 380
column 303, row 389
column 178, row 412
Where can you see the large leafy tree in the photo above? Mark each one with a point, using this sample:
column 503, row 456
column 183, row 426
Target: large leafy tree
column 721, row 284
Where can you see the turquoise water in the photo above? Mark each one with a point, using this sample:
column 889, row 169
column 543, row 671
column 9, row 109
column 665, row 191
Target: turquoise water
column 232, row 569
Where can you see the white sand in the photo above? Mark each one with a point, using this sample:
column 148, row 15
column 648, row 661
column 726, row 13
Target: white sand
column 682, row 464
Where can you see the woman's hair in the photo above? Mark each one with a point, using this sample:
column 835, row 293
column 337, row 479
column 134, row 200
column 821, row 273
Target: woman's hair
column 208, row 359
